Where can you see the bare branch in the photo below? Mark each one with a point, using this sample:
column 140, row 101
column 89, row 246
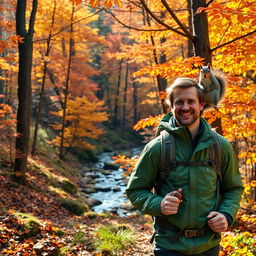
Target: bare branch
column 224, row 33
column 68, row 26
column 160, row 21
column 138, row 29
column 32, row 18
column 208, row 3
column 187, row 32
column 232, row 41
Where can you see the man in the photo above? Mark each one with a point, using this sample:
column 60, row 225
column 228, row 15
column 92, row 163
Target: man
column 191, row 225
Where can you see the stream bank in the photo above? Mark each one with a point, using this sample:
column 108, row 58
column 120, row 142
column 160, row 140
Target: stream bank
column 106, row 183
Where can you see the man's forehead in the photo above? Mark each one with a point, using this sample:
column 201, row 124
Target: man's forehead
column 190, row 92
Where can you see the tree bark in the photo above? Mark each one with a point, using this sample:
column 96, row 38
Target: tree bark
column 1, row 55
column 125, row 97
column 39, row 108
column 117, row 94
column 66, row 91
column 190, row 51
column 201, row 41
column 24, row 88
column 161, row 82
column 135, row 102
column 1, row 74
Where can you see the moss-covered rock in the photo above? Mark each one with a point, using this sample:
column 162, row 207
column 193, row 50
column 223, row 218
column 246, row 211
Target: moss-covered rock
column 31, row 225
column 69, row 187
column 74, row 206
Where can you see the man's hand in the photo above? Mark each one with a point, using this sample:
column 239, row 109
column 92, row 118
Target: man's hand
column 170, row 203
column 218, row 222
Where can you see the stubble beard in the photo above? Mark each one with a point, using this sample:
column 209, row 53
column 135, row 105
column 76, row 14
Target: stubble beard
column 185, row 122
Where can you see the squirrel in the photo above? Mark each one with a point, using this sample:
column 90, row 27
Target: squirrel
column 214, row 84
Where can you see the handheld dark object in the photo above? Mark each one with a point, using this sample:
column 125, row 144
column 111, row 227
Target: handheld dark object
column 176, row 194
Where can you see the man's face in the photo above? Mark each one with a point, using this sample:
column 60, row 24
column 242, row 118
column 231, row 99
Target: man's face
column 186, row 107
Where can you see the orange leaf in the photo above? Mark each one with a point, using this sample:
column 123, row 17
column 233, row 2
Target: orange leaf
column 76, row 1
column 200, row 10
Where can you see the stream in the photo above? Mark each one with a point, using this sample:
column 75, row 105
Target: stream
column 113, row 183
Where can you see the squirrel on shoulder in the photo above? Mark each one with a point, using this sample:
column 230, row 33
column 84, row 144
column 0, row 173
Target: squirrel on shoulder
column 214, row 84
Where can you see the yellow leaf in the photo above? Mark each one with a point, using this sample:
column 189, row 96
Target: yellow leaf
column 119, row 3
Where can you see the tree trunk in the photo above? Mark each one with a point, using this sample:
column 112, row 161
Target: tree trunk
column 201, row 41
column 1, row 85
column 161, row 82
column 190, row 52
column 1, row 55
column 135, row 102
column 66, row 91
column 117, row 94
column 24, row 88
column 125, row 97
column 2, row 100
column 39, row 109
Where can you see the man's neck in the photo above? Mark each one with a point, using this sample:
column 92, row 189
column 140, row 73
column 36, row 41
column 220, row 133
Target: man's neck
column 193, row 128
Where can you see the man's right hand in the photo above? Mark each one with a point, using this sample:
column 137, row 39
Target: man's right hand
column 170, row 203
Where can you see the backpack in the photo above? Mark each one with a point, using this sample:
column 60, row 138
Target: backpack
column 168, row 161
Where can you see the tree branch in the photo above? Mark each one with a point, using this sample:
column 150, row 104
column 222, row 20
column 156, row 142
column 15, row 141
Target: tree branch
column 138, row 29
column 21, row 18
column 232, row 41
column 55, row 34
column 32, row 18
column 208, row 3
column 160, row 21
column 187, row 32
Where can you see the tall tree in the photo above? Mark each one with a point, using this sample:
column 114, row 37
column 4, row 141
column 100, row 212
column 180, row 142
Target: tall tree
column 116, row 104
column 135, row 101
column 24, row 87
column 126, row 82
column 42, row 90
column 66, row 91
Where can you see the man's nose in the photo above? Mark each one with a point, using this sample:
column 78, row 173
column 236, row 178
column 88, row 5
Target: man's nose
column 185, row 106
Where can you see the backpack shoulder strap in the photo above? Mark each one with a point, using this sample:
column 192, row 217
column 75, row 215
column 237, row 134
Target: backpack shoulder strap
column 215, row 154
column 167, row 152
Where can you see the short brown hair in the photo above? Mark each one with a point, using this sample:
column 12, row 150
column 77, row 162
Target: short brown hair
column 183, row 82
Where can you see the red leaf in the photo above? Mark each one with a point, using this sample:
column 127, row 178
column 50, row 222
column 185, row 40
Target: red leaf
column 200, row 10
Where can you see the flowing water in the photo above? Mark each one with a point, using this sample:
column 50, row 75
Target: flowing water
column 115, row 181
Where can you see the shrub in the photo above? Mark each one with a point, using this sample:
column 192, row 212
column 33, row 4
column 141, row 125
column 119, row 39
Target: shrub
column 238, row 244
column 79, row 238
column 112, row 239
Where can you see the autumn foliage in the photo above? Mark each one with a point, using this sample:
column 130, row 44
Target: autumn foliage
column 82, row 119
column 108, row 62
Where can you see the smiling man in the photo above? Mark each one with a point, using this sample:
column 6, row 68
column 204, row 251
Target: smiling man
column 189, row 221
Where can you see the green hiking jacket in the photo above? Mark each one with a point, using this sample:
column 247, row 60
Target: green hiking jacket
column 198, row 185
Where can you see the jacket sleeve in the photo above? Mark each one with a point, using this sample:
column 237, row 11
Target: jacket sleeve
column 231, row 186
column 143, row 178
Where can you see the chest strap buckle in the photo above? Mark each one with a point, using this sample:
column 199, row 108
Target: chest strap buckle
column 190, row 233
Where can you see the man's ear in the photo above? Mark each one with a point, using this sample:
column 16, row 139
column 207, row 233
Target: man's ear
column 202, row 104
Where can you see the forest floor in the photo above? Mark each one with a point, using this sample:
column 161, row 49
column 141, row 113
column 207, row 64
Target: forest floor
column 32, row 222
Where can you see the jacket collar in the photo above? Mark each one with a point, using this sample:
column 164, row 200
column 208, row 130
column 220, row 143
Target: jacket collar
column 168, row 123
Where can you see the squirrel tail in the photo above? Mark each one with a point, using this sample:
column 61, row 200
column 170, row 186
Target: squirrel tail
column 222, row 80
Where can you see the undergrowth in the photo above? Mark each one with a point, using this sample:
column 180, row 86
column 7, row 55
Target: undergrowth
column 113, row 239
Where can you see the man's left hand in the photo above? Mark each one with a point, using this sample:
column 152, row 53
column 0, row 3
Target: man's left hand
column 218, row 222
